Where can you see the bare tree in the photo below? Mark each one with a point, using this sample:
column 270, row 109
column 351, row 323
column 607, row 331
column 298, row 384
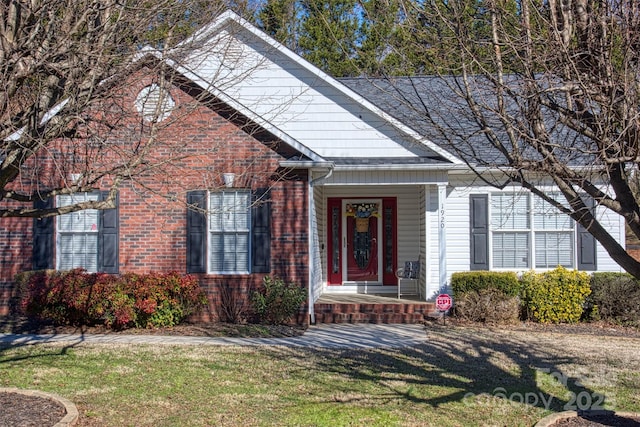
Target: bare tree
column 538, row 91
column 65, row 70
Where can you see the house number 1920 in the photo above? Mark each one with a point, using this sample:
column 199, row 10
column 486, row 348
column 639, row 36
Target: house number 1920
column 442, row 222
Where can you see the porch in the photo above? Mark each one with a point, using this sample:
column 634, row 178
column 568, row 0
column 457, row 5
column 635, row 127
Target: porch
column 371, row 308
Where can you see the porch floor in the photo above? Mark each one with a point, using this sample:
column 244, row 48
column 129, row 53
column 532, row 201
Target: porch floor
column 368, row 308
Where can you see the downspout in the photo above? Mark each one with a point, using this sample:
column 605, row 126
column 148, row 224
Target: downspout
column 312, row 183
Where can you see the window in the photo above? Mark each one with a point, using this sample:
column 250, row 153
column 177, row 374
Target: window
column 553, row 235
column 229, row 232
column 229, row 229
column 154, row 103
column 77, row 235
column 527, row 232
column 510, row 226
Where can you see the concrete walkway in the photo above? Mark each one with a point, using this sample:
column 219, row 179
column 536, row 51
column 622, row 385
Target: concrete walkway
column 353, row 336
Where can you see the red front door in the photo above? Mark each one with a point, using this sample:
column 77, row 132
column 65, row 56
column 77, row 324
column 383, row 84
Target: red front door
column 362, row 247
column 361, row 242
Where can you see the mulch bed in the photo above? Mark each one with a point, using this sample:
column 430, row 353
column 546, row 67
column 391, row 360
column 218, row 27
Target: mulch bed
column 599, row 420
column 19, row 410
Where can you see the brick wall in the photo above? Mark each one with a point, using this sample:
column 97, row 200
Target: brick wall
column 15, row 255
column 195, row 147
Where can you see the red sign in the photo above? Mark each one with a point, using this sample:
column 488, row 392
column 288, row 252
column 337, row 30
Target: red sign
column 443, row 302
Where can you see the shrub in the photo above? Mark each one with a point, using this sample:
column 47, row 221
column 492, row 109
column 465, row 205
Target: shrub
column 463, row 282
column 232, row 307
column 80, row 298
column 277, row 301
column 615, row 297
column 556, row 296
column 488, row 305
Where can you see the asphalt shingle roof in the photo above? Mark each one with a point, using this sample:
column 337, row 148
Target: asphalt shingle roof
column 431, row 106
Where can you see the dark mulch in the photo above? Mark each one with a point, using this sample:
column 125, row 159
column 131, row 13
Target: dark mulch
column 19, row 410
column 610, row 419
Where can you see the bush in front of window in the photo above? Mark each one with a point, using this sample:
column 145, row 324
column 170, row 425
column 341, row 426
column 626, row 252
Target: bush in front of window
column 488, row 306
column 277, row 302
column 556, row 296
column 76, row 297
column 615, row 297
column 233, row 306
column 505, row 281
column 486, row 296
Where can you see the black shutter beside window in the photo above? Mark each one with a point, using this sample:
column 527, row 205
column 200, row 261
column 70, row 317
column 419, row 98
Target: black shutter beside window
column 43, row 238
column 587, row 245
column 108, row 237
column 261, row 231
column 479, row 211
column 197, row 232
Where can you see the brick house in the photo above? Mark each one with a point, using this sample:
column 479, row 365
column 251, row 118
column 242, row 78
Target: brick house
column 277, row 168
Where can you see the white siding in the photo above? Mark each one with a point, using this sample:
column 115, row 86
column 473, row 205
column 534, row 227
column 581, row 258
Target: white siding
column 317, row 276
column 241, row 68
column 389, row 177
column 458, row 250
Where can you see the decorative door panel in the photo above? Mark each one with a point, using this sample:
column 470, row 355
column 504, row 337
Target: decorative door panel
column 361, row 252
column 361, row 242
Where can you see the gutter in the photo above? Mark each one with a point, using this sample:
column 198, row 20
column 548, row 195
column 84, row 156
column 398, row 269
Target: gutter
column 400, row 167
column 326, row 167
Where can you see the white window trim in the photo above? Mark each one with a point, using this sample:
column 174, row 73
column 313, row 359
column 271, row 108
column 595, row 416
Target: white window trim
column 59, row 233
column 210, row 232
column 531, row 231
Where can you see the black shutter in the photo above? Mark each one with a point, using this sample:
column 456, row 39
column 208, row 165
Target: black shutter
column 261, row 231
column 479, row 232
column 196, row 232
column 108, row 237
column 43, row 238
column 587, row 245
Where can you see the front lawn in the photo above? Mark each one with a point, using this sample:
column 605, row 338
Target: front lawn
column 461, row 376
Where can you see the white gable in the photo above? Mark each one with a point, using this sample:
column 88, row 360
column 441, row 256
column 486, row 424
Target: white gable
column 295, row 100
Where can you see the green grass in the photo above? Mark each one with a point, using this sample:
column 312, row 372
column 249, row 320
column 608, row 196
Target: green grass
column 456, row 378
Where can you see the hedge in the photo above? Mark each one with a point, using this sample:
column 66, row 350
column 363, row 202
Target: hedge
column 130, row 300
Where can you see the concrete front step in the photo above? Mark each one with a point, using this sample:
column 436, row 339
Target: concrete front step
column 372, row 313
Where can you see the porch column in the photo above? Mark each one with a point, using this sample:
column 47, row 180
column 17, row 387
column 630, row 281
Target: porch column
column 442, row 237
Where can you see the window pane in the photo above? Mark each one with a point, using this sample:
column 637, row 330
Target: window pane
column 215, row 207
column 228, row 212
column 78, row 251
column 230, row 222
column 547, row 217
column 78, row 235
column 242, row 211
column 510, row 250
column 216, row 255
column 242, row 252
column 554, row 249
column 65, row 222
column 229, row 262
column 509, row 211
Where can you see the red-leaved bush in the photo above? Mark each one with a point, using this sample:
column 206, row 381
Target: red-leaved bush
column 130, row 300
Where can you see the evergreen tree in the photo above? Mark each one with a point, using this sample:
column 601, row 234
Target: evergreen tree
column 329, row 34
column 279, row 19
column 379, row 21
